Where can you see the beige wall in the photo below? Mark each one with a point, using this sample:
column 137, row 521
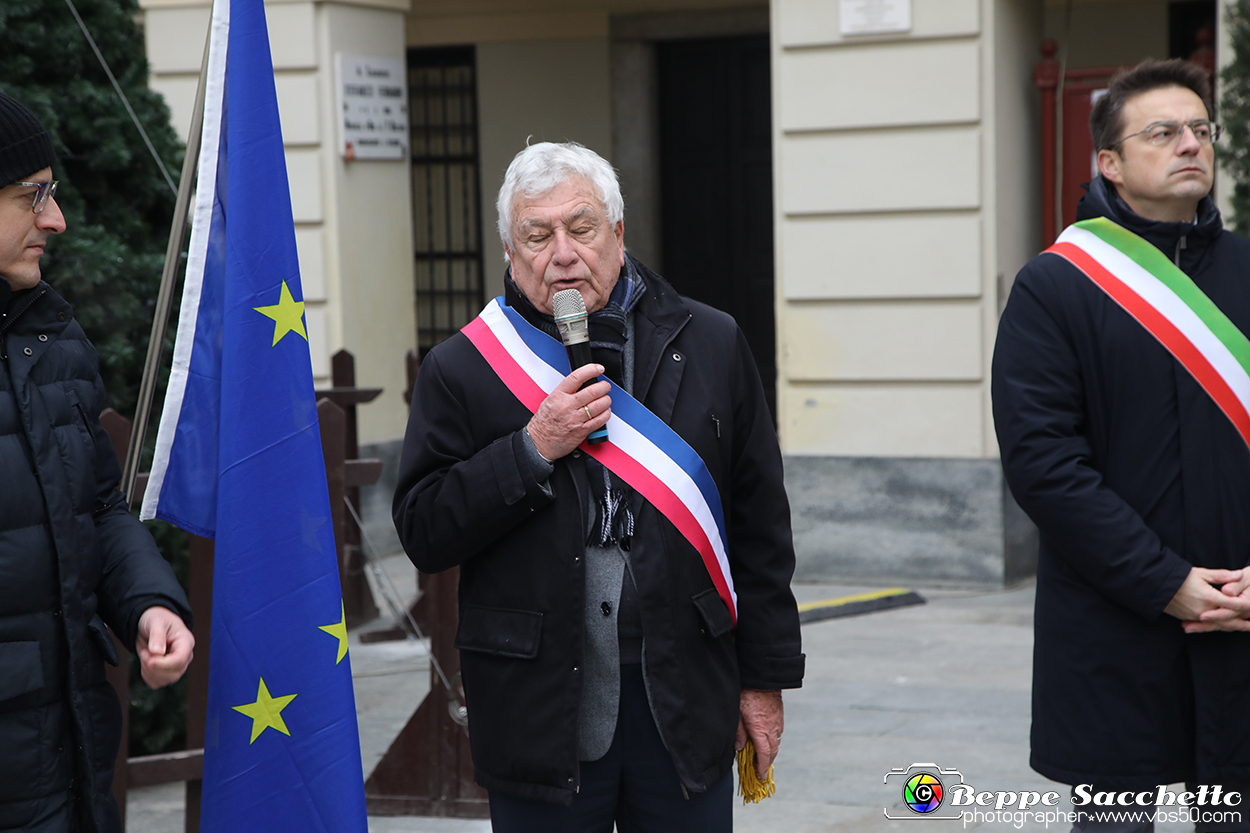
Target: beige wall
column 902, row 167
column 352, row 220
column 367, row 233
column 516, row 84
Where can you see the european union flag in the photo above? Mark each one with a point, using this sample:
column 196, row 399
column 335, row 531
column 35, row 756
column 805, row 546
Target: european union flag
column 239, row 460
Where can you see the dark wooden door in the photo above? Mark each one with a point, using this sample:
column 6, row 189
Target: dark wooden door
column 716, row 191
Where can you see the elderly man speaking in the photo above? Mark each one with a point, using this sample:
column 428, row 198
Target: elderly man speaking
column 626, row 620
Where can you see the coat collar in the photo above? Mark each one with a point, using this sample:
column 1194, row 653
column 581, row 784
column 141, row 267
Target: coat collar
column 39, row 307
column 37, row 310
column 659, row 317
column 1102, row 200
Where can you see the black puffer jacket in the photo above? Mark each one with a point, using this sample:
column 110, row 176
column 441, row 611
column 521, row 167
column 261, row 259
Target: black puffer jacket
column 72, row 558
column 467, row 496
column 1132, row 475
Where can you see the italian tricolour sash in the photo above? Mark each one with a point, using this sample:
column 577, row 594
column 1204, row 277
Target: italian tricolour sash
column 641, row 449
column 1171, row 307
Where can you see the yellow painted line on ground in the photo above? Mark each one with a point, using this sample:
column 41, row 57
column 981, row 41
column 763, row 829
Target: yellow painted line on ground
column 860, row 597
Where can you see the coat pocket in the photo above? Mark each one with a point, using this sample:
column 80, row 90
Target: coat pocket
column 499, row 632
column 103, row 640
column 78, row 416
column 715, row 616
column 23, row 669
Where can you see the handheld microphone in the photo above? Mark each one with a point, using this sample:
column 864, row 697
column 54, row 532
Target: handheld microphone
column 574, row 325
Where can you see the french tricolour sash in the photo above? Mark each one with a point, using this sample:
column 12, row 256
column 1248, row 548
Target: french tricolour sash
column 641, row 449
column 1164, row 300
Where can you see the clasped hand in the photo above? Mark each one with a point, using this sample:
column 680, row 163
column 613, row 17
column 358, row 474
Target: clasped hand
column 1212, row 600
column 568, row 415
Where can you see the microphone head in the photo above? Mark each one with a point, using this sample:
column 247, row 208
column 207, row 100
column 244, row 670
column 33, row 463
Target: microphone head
column 568, row 303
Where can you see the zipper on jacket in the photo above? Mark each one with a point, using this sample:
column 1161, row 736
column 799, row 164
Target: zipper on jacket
column 7, row 320
column 1180, row 245
column 717, row 421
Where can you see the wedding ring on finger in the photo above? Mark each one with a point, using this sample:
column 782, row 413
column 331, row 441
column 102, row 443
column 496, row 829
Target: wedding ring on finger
column 586, row 408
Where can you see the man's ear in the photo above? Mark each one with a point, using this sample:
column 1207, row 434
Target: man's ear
column 619, row 231
column 1109, row 166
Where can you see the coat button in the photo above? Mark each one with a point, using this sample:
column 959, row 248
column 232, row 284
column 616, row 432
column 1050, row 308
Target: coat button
column 60, row 316
column 677, row 357
column 43, row 337
column 574, row 669
column 577, row 452
column 606, row 608
column 29, row 352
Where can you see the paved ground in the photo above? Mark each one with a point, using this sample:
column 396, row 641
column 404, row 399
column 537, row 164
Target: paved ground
column 943, row 683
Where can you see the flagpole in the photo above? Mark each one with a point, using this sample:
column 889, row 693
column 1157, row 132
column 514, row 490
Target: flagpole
column 165, row 298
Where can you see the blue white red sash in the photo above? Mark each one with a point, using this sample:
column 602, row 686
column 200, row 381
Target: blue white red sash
column 641, row 449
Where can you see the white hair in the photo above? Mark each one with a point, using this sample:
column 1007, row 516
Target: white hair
column 540, row 168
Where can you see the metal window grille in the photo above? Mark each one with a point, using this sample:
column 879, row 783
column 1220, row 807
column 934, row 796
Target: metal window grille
column 447, row 227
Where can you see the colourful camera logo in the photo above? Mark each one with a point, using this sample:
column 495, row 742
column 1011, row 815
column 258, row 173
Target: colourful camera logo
column 923, row 793
column 924, row 787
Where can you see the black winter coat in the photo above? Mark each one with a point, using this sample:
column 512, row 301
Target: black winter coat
column 1132, row 474
column 466, row 496
column 72, row 559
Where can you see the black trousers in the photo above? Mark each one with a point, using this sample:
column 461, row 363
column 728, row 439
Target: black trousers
column 633, row 786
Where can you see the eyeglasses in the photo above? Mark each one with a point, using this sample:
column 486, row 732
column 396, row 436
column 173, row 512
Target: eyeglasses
column 1164, row 133
column 45, row 192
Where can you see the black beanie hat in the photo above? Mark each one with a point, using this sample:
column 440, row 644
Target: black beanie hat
column 25, row 147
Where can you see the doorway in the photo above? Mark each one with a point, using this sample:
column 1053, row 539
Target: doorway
column 716, row 206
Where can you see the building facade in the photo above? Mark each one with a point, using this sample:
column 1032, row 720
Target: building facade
column 858, row 190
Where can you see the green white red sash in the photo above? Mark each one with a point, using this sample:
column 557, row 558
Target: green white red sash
column 1171, row 307
column 641, row 448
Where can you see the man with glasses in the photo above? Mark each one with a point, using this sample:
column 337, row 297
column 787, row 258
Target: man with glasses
column 72, row 557
column 1118, row 382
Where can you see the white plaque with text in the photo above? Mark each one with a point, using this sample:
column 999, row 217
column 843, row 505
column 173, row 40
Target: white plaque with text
column 373, row 107
column 874, row 17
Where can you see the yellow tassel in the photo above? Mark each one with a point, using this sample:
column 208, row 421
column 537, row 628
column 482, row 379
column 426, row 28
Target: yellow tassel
column 750, row 787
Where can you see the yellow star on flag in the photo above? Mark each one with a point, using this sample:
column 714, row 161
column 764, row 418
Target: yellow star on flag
column 266, row 712
column 288, row 315
column 339, row 631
